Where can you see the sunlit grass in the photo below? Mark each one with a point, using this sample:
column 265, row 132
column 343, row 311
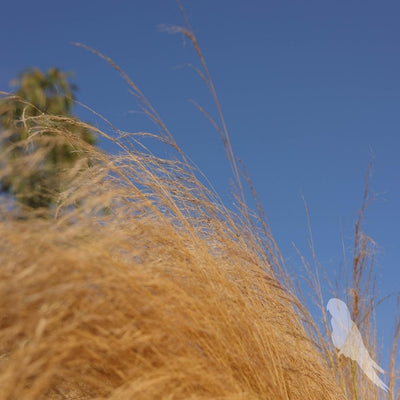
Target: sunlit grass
column 141, row 284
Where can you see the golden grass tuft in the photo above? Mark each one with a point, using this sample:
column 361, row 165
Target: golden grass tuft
column 140, row 284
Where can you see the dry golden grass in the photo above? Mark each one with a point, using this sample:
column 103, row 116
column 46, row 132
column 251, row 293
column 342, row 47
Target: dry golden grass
column 166, row 295
column 140, row 284
column 356, row 286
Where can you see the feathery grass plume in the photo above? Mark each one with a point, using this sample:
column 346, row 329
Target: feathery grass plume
column 166, row 295
column 143, row 285
column 356, row 285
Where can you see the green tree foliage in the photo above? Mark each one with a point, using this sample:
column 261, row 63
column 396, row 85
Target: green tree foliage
column 38, row 94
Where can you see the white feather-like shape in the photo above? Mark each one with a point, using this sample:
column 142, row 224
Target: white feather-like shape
column 347, row 338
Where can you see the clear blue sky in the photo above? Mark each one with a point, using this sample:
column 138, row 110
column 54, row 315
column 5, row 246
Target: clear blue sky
column 308, row 89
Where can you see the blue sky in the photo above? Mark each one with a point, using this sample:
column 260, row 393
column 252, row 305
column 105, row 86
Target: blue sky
column 309, row 90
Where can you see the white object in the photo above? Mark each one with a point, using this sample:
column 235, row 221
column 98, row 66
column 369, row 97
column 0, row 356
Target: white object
column 347, row 338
